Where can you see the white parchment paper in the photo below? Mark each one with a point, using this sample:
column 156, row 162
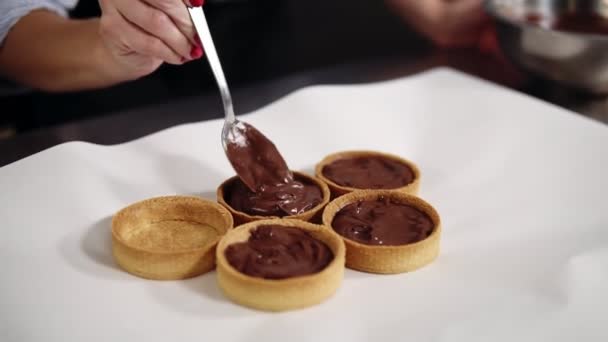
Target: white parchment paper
column 521, row 187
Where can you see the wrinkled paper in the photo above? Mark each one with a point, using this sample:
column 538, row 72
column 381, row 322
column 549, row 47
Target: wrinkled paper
column 520, row 186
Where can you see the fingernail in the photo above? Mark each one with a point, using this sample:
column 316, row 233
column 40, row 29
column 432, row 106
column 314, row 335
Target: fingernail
column 197, row 3
column 196, row 52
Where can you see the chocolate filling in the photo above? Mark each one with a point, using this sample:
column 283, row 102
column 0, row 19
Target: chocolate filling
column 369, row 173
column 266, row 186
column 280, row 200
column 278, row 252
column 382, row 222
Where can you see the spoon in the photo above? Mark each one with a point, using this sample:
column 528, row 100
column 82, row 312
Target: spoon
column 200, row 24
column 253, row 156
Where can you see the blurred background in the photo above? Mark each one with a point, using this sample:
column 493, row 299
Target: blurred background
column 257, row 40
column 554, row 50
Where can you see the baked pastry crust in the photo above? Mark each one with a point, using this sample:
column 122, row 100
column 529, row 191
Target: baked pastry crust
column 387, row 259
column 313, row 215
column 168, row 237
column 339, row 190
column 281, row 294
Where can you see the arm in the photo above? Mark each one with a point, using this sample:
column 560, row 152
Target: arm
column 47, row 51
column 459, row 24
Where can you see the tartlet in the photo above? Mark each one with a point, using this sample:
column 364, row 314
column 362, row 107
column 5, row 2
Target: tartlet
column 312, row 215
column 280, row 294
column 168, row 237
column 387, row 259
column 338, row 189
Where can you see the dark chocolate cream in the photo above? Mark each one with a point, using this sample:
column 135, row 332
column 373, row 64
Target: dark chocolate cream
column 255, row 158
column 267, row 187
column 382, row 222
column 283, row 199
column 369, row 173
column 277, row 252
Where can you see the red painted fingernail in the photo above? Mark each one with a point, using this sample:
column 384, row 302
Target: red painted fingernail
column 196, row 52
column 197, row 3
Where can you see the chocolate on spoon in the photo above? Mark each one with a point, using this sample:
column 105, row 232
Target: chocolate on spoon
column 268, row 186
column 255, row 158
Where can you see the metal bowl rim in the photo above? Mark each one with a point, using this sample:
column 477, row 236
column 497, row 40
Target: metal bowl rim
column 490, row 8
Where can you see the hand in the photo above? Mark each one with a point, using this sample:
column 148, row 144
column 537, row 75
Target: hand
column 140, row 35
column 459, row 23
column 448, row 23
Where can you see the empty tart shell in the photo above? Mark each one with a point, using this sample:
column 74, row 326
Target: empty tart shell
column 170, row 237
column 339, row 190
column 281, row 294
column 312, row 215
column 394, row 258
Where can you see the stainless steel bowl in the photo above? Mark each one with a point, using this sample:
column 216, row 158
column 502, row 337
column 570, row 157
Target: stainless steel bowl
column 579, row 60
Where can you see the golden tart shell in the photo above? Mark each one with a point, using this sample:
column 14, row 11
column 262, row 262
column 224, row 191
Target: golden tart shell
column 339, row 190
column 387, row 259
column 280, row 294
column 169, row 237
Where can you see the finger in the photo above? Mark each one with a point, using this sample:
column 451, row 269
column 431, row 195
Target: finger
column 143, row 43
column 447, row 22
column 466, row 5
column 178, row 13
column 476, row 19
column 471, row 9
column 151, row 46
column 423, row 16
column 157, row 24
column 429, row 11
